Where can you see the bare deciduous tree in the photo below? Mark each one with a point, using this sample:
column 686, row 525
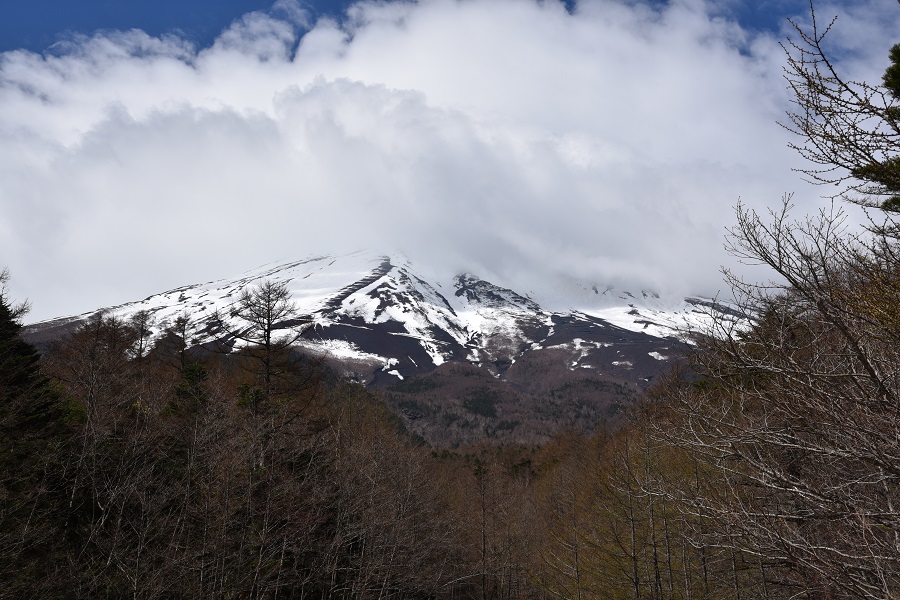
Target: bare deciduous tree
column 270, row 325
column 799, row 412
column 850, row 130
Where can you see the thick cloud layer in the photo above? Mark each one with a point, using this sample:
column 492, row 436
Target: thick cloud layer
column 507, row 137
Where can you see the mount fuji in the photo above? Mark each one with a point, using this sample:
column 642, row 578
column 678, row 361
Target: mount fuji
column 378, row 320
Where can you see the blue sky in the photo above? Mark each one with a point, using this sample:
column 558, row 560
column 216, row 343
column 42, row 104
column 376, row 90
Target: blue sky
column 164, row 144
column 36, row 24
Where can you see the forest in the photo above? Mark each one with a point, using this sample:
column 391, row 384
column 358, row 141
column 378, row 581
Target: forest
column 767, row 467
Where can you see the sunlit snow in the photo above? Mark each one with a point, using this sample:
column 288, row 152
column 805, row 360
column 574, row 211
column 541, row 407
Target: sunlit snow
column 486, row 321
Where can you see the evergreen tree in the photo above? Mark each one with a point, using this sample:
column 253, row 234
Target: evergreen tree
column 32, row 433
column 891, row 77
column 18, row 359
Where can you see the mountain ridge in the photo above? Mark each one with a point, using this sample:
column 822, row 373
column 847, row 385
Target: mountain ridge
column 477, row 319
column 471, row 344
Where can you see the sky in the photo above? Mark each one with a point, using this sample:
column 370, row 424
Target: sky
column 145, row 146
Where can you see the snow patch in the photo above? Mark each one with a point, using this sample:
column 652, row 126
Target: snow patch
column 342, row 350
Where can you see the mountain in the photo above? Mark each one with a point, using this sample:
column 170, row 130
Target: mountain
column 458, row 359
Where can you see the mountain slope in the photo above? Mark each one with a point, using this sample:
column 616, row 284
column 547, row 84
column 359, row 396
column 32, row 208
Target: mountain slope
column 377, row 319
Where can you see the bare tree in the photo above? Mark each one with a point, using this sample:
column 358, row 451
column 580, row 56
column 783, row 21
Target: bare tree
column 143, row 322
column 796, row 423
column 270, row 324
column 849, row 130
column 799, row 412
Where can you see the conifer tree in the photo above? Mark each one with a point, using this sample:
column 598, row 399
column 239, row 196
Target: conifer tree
column 270, row 324
column 32, row 433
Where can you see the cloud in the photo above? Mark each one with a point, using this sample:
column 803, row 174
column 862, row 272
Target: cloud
column 507, row 137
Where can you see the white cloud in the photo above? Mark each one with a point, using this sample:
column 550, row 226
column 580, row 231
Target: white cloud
column 507, row 137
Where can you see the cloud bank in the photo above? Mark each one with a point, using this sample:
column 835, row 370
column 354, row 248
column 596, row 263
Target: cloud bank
column 506, row 137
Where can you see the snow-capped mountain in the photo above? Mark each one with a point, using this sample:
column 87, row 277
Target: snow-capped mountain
column 377, row 314
column 460, row 359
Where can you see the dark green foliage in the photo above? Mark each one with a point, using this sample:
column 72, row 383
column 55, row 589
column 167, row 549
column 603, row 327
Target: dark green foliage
column 33, row 434
column 891, row 77
column 251, row 396
column 27, row 401
column 892, row 204
column 18, row 359
column 483, row 402
column 891, row 81
column 886, row 174
column 189, row 392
